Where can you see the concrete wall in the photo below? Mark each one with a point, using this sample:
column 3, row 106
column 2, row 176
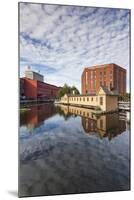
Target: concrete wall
column 64, row 99
column 103, row 106
column 38, row 77
column 34, row 75
column 111, row 103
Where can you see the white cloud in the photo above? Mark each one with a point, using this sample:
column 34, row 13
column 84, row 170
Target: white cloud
column 67, row 38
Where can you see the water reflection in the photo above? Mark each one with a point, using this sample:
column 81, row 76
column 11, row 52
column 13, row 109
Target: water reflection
column 64, row 152
column 35, row 115
column 109, row 125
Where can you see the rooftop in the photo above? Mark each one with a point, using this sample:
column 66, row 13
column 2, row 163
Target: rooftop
column 107, row 91
column 104, row 88
column 103, row 65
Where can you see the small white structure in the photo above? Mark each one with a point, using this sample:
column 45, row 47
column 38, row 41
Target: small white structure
column 33, row 75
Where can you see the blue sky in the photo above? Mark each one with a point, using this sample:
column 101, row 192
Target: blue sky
column 59, row 41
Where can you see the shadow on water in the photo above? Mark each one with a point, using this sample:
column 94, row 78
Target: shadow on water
column 66, row 150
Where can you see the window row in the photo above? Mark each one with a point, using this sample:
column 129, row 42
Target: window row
column 83, row 99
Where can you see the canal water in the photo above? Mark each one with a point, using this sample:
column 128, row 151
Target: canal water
column 66, row 150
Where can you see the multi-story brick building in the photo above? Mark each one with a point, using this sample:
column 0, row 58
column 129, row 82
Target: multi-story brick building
column 32, row 88
column 110, row 75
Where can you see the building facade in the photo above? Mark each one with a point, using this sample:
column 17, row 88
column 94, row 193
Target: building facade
column 105, row 99
column 109, row 75
column 34, row 89
column 34, row 75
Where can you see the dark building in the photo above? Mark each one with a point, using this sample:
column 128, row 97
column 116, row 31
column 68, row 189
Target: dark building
column 109, row 75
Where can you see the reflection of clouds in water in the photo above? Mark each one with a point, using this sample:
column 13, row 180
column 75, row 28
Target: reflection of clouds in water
column 66, row 160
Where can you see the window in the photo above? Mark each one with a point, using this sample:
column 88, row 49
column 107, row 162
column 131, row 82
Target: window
column 104, row 74
column 111, row 84
column 86, row 77
column 87, row 99
column 94, row 84
column 83, row 98
column 111, row 74
column 101, row 100
column 91, row 74
column 96, row 98
column 101, row 123
column 94, row 74
column 80, row 98
column 92, row 99
column 104, row 83
column 77, row 98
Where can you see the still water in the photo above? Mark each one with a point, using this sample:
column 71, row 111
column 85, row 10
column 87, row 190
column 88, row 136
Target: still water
column 66, row 150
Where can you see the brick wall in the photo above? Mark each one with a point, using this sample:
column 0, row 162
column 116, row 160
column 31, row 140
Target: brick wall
column 110, row 75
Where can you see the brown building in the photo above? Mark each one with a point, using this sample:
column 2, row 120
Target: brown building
column 109, row 75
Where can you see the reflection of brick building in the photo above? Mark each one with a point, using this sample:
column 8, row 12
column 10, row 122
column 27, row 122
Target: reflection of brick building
column 32, row 88
column 36, row 115
column 106, row 125
column 110, row 75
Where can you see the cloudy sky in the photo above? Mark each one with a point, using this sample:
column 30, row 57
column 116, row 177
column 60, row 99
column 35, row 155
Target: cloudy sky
column 59, row 41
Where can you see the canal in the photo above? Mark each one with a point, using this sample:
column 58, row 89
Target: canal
column 65, row 150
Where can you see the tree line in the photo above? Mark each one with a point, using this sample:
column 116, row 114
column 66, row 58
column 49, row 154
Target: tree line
column 66, row 89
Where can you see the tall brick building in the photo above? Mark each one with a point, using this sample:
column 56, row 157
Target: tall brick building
column 110, row 75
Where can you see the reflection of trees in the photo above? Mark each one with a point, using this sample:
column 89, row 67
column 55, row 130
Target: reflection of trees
column 62, row 113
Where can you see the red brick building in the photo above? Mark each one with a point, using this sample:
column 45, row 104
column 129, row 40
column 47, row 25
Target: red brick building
column 110, row 75
column 34, row 89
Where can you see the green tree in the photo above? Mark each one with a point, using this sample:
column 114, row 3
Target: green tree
column 125, row 97
column 74, row 90
column 66, row 89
